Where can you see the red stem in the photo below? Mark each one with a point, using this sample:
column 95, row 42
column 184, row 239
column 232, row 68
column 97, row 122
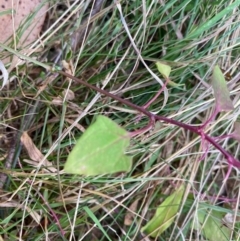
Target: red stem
column 198, row 130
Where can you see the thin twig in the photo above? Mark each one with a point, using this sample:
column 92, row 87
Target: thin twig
column 232, row 161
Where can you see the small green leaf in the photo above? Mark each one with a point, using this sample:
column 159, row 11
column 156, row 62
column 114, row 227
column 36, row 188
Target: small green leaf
column 100, row 150
column 211, row 225
column 164, row 69
column 221, row 93
column 165, row 214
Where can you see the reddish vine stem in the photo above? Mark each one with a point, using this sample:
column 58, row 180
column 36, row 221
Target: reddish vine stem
column 198, row 130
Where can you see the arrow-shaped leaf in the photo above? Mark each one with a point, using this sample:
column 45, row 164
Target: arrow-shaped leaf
column 211, row 225
column 164, row 69
column 221, row 93
column 100, row 150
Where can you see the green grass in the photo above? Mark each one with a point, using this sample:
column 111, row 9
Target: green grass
column 191, row 37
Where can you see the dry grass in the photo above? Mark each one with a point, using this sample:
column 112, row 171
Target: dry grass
column 38, row 203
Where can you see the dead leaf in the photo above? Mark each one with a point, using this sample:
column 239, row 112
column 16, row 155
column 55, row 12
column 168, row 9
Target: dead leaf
column 236, row 132
column 229, row 219
column 23, row 20
column 68, row 94
column 34, row 152
column 57, row 101
column 68, row 66
column 130, row 215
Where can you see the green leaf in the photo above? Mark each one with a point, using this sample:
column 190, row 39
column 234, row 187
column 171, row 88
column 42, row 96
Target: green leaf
column 164, row 69
column 165, row 214
column 100, row 150
column 221, row 93
column 211, row 225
